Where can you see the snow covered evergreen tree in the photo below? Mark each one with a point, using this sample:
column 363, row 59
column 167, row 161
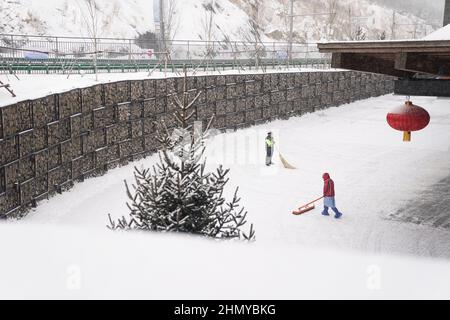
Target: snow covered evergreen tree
column 177, row 194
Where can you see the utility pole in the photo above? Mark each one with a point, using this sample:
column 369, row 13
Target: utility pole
column 393, row 25
column 291, row 30
column 162, row 24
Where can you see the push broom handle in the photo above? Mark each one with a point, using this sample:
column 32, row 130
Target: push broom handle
column 314, row 201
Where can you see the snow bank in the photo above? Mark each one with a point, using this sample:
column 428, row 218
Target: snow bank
column 36, row 86
column 54, row 262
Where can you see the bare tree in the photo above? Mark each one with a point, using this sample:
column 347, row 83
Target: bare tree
column 207, row 28
column 208, row 19
column 234, row 52
column 169, row 23
column 332, row 9
column 253, row 35
column 168, row 26
column 89, row 10
column 348, row 25
column 286, row 17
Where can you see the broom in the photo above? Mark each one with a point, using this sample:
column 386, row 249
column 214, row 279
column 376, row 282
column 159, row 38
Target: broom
column 285, row 163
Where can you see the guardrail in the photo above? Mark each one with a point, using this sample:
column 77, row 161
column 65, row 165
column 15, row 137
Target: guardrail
column 49, row 54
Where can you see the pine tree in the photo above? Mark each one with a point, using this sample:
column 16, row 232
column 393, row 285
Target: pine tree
column 177, row 194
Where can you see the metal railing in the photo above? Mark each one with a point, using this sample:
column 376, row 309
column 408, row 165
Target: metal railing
column 49, row 54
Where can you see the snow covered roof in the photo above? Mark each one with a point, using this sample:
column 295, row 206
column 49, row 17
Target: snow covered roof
column 441, row 34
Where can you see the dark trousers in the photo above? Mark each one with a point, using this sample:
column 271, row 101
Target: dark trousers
column 269, row 155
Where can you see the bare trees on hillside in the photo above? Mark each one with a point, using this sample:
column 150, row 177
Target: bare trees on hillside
column 168, row 26
column 208, row 30
column 253, row 35
column 89, row 11
column 332, row 10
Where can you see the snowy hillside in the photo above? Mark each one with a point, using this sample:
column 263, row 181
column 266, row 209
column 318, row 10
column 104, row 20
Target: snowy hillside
column 67, row 17
column 348, row 17
column 230, row 19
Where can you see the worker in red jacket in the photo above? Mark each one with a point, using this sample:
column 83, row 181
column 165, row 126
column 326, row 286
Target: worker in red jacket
column 329, row 196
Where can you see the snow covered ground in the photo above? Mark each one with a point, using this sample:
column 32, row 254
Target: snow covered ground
column 63, row 249
column 56, row 262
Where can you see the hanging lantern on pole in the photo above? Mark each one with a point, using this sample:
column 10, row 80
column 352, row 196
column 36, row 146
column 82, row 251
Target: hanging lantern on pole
column 408, row 118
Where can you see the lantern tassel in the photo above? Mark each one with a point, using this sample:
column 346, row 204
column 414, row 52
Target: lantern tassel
column 407, row 136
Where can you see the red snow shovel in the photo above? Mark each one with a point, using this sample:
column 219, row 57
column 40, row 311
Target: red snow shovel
column 306, row 208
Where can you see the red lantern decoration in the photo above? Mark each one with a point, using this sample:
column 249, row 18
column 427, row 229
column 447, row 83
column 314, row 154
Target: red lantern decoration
column 408, row 118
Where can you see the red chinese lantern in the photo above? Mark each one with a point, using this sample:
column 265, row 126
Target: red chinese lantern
column 408, row 118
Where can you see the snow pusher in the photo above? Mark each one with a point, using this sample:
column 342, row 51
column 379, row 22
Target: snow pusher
column 306, row 208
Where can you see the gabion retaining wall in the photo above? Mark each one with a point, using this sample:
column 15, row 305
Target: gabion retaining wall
column 49, row 143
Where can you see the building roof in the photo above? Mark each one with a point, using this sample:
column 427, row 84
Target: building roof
column 402, row 59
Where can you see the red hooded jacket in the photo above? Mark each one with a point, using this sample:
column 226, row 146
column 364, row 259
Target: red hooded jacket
column 328, row 187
